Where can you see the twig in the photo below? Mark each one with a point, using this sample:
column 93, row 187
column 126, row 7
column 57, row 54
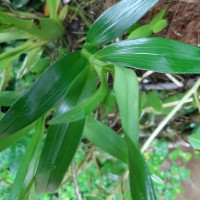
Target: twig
column 167, row 86
column 75, row 180
column 196, row 96
column 173, row 79
column 170, row 115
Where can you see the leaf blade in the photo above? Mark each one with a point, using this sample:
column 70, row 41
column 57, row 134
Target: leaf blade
column 64, row 137
column 126, row 91
column 116, row 20
column 26, row 173
column 106, row 139
column 39, row 99
column 155, row 54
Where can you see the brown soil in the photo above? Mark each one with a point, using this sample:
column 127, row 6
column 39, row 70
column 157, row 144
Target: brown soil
column 184, row 20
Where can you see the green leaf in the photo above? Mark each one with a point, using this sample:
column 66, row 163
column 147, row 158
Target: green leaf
column 143, row 31
column 109, row 103
column 8, row 141
column 43, row 94
column 64, row 12
column 106, row 139
column 86, row 107
column 58, row 152
column 127, row 96
column 53, row 8
column 194, row 140
column 62, row 140
column 155, row 54
column 8, row 98
column 26, row 172
column 29, row 62
column 160, row 26
column 40, row 66
column 154, row 101
column 126, row 91
column 116, row 20
column 140, row 180
column 43, row 28
column 13, row 34
column 158, row 17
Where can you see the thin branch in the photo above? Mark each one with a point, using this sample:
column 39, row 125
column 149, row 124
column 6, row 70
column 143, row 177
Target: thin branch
column 75, row 180
column 170, row 115
column 196, row 96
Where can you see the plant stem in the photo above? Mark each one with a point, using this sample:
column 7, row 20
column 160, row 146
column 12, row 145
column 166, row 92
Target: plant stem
column 75, row 181
column 196, row 96
column 170, row 115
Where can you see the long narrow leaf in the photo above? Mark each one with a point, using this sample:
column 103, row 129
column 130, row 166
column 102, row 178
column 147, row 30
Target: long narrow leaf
column 26, row 172
column 106, row 139
column 13, row 34
column 44, row 93
column 29, row 62
column 86, row 107
column 43, row 28
column 155, row 54
column 127, row 96
column 126, row 91
column 53, row 8
column 140, row 180
column 8, row 98
column 59, row 150
column 116, row 20
column 8, row 141
column 62, row 140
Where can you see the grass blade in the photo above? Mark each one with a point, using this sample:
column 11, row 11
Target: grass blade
column 26, row 172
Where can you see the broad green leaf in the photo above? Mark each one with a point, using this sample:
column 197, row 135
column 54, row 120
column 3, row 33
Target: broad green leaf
column 62, row 140
column 8, row 141
column 86, row 107
column 13, row 34
column 43, row 94
column 44, row 28
column 154, row 101
column 106, row 139
column 8, row 98
column 116, row 20
column 53, row 8
column 126, row 91
column 160, row 26
column 194, row 140
column 26, row 172
column 143, row 31
column 158, row 17
column 140, row 180
column 155, row 54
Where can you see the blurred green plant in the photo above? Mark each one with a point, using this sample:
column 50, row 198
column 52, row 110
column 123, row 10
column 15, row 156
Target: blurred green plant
column 166, row 165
